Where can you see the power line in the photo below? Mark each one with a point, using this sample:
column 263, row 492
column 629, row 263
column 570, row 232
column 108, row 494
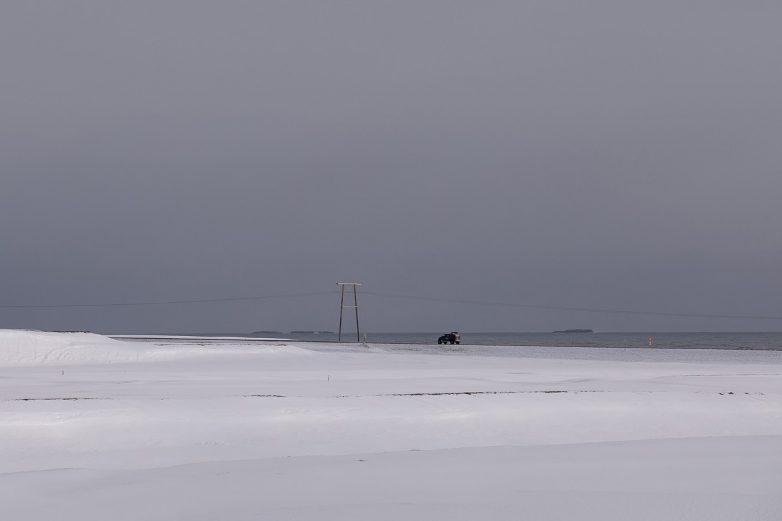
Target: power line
column 568, row 308
column 168, row 302
column 469, row 302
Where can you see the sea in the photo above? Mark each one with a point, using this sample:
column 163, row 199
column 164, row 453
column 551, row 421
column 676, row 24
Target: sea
column 694, row 340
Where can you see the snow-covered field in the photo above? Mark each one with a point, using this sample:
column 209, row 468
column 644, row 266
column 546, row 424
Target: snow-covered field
column 95, row 429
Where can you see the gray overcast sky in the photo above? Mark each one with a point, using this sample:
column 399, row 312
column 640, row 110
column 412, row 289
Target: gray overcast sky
column 606, row 154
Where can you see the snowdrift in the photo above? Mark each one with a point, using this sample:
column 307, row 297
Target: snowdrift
column 19, row 348
column 25, row 348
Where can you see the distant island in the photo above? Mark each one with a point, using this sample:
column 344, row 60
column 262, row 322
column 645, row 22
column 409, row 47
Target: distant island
column 303, row 332
column 575, row 331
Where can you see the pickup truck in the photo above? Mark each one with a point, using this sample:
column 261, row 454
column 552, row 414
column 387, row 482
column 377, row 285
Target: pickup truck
column 450, row 338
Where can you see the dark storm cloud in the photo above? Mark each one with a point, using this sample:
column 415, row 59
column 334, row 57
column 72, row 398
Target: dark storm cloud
column 590, row 154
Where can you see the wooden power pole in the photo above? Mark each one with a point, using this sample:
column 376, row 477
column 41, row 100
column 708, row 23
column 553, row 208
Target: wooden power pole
column 342, row 307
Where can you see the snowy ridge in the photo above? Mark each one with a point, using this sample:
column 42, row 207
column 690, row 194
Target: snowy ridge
column 23, row 348
column 20, row 348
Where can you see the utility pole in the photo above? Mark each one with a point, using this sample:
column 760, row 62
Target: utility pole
column 342, row 307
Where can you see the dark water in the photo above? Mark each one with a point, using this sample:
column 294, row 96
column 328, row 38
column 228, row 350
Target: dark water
column 757, row 341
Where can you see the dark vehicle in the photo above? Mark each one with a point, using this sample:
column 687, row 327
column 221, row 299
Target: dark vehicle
column 450, row 338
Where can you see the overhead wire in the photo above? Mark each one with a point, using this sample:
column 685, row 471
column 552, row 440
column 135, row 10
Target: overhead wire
column 568, row 308
column 167, row 302
column 422, row 298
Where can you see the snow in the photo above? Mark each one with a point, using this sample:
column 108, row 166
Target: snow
column 197, row 339
column 20, row 348
column 95, row 428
